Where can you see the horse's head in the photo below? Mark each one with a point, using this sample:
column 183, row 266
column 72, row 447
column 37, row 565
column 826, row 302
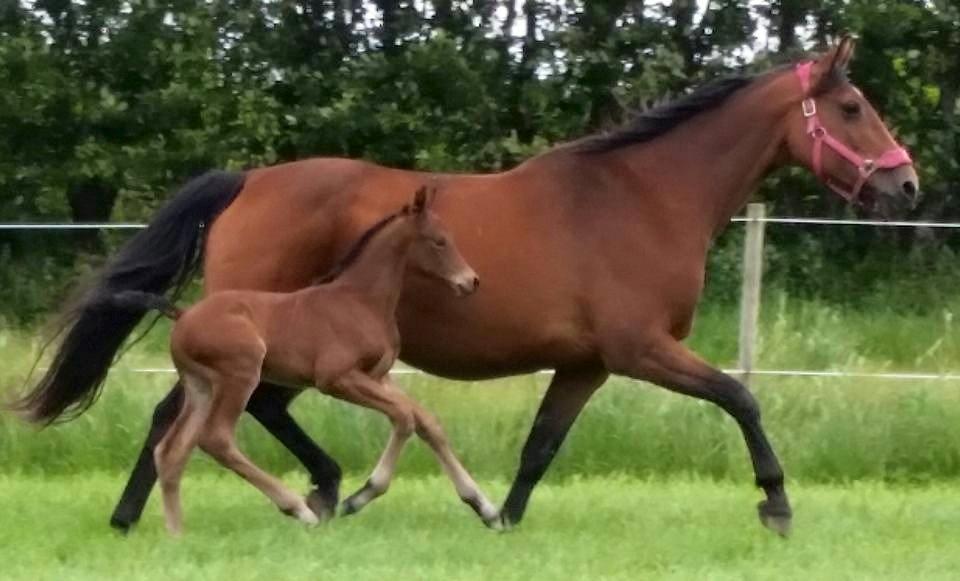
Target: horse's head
column 835, row 132
column 433, row 252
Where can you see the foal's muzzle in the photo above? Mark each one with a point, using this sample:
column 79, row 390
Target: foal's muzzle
column 466, row 284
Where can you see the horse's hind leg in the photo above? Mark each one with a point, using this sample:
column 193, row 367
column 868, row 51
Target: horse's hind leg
column 671, row 365
column 219, row 441
column 173, row 451
column 144, row 475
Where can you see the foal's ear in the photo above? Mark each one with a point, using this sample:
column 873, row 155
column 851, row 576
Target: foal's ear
column 423, row 199
column 833, row 63
column 420, row 200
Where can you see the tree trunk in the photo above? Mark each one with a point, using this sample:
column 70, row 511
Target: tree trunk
column 90, row 200
column 391, row 25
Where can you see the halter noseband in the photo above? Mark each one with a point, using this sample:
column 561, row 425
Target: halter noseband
column 890, row 159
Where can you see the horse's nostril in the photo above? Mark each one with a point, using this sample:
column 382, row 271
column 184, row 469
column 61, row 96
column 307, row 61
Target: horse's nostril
column 909, row 188
column 476, row 282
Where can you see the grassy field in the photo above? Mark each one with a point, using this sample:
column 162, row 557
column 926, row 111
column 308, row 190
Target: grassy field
column 599, row 528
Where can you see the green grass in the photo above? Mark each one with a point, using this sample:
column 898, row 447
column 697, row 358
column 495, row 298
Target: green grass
column 825, row 430
column 598, row 528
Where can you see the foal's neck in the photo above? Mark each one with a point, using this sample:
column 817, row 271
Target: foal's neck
column 377, row 275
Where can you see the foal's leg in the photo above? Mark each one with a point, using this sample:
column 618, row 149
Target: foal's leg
column 386, row 397
column 429, row 429
column 268, row 405
column 568, row 393
column 671, row 365
column 173, row 450
column 218, row 439
column 359, row 388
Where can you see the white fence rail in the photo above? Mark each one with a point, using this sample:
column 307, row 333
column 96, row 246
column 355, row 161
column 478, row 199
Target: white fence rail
column 755, row 220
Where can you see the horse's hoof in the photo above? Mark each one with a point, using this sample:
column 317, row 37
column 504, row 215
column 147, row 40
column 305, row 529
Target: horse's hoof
column 121, row 526
column 322, row 505
column 777, row 518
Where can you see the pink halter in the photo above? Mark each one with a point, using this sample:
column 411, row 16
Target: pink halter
column 865, row 167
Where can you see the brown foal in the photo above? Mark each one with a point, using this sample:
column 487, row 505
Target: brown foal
column 340, row 336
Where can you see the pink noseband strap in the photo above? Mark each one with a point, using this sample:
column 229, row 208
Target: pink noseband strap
column 865, row 167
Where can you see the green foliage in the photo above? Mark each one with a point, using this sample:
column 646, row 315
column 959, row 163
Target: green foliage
column 109, row 104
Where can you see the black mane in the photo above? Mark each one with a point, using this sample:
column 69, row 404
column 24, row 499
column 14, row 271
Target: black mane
column 653, row 123
column 354, row 253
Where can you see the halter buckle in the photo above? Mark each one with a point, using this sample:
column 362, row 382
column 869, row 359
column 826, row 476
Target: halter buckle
column 809, row 107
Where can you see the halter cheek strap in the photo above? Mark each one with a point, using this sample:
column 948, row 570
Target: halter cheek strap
column 866, row 167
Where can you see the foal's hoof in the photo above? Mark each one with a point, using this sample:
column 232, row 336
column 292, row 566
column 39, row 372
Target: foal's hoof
column 496, row 524
column 500, row 523
column 776, row 517
column 350, row 506
column 303, row 514
column 322, row 505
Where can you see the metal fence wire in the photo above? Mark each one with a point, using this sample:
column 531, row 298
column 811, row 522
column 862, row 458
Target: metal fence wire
column 755, row 221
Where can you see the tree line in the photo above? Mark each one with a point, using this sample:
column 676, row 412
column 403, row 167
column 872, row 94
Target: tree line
column 106, row 105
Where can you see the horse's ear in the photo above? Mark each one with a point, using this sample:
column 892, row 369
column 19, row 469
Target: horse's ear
column 833, row 63
column 843, row 54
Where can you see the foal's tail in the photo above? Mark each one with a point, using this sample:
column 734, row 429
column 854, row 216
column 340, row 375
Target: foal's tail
column 93, row 327
column 140, row 302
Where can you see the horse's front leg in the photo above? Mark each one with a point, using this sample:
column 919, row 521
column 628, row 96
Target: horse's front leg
column 568, row 393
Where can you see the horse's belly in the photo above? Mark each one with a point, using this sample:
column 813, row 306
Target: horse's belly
column 483, row 341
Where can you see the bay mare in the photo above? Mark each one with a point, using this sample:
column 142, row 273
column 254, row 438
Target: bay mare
column 592, row 256
column 339, row 335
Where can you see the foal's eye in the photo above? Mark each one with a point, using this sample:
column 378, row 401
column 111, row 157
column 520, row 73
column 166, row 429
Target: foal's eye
column 850, row 109
column 440, row 243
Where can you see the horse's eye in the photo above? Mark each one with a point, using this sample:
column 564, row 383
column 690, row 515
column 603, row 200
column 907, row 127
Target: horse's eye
column 850, row 109
column 440, row 242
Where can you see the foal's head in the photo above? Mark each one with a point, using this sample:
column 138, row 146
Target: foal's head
column 433, row 252
column 835, row 132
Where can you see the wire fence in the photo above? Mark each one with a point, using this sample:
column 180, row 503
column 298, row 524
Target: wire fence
column 894, row 376
column 735, row 219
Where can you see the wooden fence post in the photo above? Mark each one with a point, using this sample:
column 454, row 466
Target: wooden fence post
column 750, row 291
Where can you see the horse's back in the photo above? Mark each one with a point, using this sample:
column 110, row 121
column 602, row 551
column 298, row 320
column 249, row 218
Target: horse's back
column 288, row 221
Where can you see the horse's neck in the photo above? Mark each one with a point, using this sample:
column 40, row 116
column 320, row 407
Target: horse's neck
column 715, row 161
column 378, row 272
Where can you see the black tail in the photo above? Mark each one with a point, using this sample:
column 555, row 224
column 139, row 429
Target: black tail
column 134, row 301
column 159, row 258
